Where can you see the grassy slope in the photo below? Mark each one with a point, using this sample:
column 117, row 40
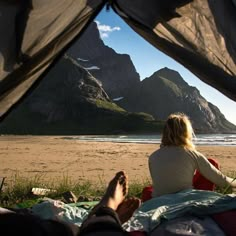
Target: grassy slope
column 97, row 117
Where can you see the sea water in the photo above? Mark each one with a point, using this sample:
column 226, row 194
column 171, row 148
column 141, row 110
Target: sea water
column 201, row 139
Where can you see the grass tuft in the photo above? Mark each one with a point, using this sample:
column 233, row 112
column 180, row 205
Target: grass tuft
column 17, row 191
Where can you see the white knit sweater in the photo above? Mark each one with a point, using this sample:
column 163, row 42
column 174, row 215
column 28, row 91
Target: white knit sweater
column 172, row 169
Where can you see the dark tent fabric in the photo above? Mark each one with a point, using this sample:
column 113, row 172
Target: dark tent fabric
column 197, row 33
column 33, row 33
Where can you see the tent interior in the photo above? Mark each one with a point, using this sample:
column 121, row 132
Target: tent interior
column 38, row 33
column 35, row 34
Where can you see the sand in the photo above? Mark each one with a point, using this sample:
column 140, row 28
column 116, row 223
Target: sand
column 51, row 158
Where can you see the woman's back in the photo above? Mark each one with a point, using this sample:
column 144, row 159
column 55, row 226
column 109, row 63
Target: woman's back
column 171, row 169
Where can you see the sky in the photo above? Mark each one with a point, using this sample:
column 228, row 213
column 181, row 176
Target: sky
column 116, row 34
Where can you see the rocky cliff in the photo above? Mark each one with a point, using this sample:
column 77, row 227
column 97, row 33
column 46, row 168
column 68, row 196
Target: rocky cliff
column 71, row 101
column 161, row 94
column 116, row 71
column 166, row 92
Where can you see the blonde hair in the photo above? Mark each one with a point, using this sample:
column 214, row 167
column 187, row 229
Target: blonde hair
column 178, row 131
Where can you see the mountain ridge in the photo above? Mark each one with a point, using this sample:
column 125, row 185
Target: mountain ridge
column 176, row 95
column 94, row 90
column 70, row 101
column 170, row 86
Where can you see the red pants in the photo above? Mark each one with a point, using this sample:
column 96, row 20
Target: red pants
column 199, row 182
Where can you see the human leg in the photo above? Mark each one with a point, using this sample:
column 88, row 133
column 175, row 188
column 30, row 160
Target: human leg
column 104, row 219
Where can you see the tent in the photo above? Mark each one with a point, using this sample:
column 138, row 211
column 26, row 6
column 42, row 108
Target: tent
column 199, row 34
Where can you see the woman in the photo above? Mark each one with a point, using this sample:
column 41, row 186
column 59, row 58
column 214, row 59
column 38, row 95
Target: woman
column 173, row 165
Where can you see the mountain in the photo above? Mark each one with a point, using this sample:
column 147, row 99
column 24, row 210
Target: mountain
column 163, row 93
column 94, row 90
column 166, row 92
column 116, row 71
column 71, row 101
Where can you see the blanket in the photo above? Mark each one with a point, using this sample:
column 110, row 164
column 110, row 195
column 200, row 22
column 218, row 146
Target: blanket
column 74, row 213
column 171, row 206
column 152, row 212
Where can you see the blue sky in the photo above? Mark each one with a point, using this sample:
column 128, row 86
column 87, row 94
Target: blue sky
column 147, row 59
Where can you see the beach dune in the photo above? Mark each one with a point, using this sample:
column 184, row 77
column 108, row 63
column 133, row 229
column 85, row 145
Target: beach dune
column 52, row 157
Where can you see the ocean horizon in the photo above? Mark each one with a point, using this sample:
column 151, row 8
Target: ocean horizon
column 200, row 139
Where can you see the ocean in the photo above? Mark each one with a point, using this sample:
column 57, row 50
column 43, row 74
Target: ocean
column 201, row 139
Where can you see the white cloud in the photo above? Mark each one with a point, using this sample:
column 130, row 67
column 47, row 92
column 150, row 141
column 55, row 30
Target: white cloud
column 104, row 35
column 106, row 30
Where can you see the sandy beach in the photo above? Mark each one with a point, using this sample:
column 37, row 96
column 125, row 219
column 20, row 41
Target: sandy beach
column 52, row 157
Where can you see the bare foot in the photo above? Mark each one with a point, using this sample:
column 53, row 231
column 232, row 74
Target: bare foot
column 127, row 208
column 115, row 193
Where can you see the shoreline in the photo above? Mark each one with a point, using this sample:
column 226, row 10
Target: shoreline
column 201, row 140
column 51, row 157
